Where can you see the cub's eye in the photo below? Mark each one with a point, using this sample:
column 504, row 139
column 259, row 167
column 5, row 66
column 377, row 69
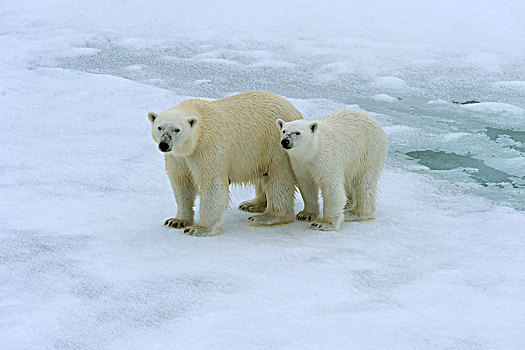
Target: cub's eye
column 298, row 133
column 284, row 132
column 159, row 128
column 177, row 130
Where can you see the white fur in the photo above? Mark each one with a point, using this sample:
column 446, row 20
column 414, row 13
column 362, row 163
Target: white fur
column 231, row 140
column 343, row 154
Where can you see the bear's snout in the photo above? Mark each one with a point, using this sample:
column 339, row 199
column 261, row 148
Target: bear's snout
column 286, row 143
column 164, row 147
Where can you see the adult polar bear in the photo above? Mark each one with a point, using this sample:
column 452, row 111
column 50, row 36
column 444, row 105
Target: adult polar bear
column 343, row 154
column 208, row 145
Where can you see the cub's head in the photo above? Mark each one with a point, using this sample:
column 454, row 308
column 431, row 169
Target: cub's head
column 173, row 131
column 298, row 134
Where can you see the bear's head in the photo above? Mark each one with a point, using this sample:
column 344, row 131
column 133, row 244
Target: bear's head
column 298, row 135
column 173, row 131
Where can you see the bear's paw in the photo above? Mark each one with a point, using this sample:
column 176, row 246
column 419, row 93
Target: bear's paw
column 305, row 216
column 358, row 217
column 268, row 220
column 252, row 206
column 323, row 226
column 177, row 223
column 201, row 231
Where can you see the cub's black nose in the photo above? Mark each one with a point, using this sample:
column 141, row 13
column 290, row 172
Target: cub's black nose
column 285, row 143
column 163, row 146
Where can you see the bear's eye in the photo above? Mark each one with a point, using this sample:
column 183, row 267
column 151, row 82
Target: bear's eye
column 284, row 132
column 159, row 128
column 177, row 130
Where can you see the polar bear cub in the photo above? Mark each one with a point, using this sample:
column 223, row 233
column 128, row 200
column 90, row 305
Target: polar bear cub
column 208, row 145
column 343, row 154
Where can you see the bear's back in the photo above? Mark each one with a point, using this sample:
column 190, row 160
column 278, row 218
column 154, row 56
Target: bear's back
column 242, row 128
column 351, row 123
column 249, row 116
column 255, row 104
column 348, row 118
column 350, row 135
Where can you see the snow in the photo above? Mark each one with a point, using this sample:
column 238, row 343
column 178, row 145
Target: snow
column 454, row 136
column 511, row 85
column 495, row 108
column 390, row 82
column 395, row 129
column 85, row 261
column 438, row 102
column 384, row 98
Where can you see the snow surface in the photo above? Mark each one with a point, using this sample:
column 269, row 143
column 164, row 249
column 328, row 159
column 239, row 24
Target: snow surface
column 495, row 108
column 384, row 98
column 390, row 83
column 516, row 84
column 86, row 263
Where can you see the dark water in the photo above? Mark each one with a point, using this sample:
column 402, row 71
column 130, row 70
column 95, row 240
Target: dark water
column 482, row 173
column 515, row 135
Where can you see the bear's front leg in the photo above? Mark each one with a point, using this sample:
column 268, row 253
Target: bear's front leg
column 213, row 203
column 310, row 193
column 184, row 190
column 334, row 199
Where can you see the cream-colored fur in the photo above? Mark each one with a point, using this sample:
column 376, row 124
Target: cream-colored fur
column 208, row 145
column 343, row 154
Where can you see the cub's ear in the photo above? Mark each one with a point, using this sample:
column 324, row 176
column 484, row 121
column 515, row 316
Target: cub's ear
column 313, row 126
column 193, row 121
column 152, row 116
column 279, row 123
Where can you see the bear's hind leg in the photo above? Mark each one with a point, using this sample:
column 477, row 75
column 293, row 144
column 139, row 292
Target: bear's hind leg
column 258, row 204
column 364, row 192
column 280, row 195
column 349, row 206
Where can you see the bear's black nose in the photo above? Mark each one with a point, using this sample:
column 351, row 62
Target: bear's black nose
column 163, row 146
column 285, row 143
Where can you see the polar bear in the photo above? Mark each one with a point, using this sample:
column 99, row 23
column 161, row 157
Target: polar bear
column 208, row 145
column 343, row 154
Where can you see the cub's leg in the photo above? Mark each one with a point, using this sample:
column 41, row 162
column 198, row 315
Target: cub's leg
column 334, row 199
column 280, row 194
column 214, row 201
column 310, row 193
column 258, row 204
column 184, row 190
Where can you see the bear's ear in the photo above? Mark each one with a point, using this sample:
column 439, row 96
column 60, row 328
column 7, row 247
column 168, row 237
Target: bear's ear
column 313, row 126
column 152, row 116
column 193, row 121
column 280, row 123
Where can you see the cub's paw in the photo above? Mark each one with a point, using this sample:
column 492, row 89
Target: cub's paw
column 201, row 231
column 304, row 216
column 323, row 226
column 252, row 206
column 177, row 223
